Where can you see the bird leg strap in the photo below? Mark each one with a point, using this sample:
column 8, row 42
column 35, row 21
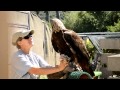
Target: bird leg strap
column 78, row 67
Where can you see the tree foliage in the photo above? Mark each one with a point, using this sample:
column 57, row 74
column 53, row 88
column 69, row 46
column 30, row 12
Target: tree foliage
column 85, row 22
column 92, row 21
column 114, row 28
column 70, row 18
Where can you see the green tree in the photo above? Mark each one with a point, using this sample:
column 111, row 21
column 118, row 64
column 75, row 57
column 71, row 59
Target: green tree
column 85, row 22
column 114, row 28
column 92, row 21
column 70, row 18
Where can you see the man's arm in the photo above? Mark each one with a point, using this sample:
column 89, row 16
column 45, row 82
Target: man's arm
column 44, row 71
column 50, row 70
column 56, row 75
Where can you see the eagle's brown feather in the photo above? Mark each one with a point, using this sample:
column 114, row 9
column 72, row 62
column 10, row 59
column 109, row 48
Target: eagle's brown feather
column 67, row 42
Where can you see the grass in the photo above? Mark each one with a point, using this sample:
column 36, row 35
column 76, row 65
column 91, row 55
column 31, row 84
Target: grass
column 43, row 77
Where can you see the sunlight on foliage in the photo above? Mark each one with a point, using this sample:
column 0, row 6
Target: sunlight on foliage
column 70, row 18
column 91, row 49
column 43, row 77
column 115, row 28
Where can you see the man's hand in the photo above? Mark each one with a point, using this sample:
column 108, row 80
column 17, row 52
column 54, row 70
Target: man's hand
column 65, row 57
column 63, row 62
column 68, row 69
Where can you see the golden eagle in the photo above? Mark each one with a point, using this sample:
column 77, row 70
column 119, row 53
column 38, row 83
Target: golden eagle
column 67, row 42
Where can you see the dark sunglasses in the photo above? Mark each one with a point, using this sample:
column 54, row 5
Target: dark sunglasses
column 27, row 37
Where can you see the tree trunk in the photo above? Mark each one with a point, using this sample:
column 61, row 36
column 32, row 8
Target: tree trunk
column 58, row 14
column 47, row 16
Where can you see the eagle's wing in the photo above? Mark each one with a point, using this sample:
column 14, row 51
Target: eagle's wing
column 76, row 42
column 78, row 45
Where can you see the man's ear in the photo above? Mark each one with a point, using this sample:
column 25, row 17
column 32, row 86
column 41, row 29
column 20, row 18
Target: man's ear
column 19, row 42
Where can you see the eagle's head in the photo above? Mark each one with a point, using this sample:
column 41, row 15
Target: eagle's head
column 57, row 25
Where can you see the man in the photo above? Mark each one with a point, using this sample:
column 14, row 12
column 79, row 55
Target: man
column 25, row 64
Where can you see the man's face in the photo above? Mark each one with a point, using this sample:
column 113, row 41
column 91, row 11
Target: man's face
column 27, row 41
